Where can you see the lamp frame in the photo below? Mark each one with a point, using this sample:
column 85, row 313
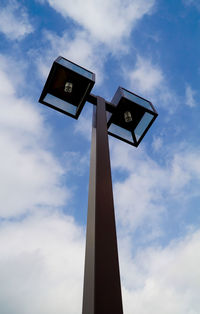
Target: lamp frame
column 47, row 85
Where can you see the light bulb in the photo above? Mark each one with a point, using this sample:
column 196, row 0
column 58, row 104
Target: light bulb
column 68, row 87
column 127, row 116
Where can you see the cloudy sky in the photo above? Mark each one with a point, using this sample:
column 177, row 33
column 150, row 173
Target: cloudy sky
column 150, row 47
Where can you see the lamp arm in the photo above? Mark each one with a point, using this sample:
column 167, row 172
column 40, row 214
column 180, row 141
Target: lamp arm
column 93, row 100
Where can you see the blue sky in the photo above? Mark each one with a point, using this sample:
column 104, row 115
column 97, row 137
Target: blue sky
column 151, row 48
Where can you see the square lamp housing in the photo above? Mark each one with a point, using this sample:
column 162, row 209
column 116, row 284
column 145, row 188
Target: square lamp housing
column 67, row 87
column 132, row 118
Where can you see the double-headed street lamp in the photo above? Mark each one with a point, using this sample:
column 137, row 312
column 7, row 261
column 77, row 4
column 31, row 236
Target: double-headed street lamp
column 127, row 117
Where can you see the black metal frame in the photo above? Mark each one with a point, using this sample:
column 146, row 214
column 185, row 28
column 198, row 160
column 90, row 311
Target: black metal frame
column 56, row 65
column 116, row 99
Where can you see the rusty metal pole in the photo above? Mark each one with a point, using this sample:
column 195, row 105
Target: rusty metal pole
column 102, row 288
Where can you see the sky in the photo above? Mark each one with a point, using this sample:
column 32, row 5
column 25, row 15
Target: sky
column 152, row 49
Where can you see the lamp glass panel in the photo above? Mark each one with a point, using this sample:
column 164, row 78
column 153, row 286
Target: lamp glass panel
column 137, row 99
column 143, row 124
column 121, row 132
column 75, row 68
column 61, row 104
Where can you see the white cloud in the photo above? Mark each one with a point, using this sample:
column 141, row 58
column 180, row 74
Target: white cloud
column 41, row 270
column 163, row 280
column 185, row 168
column 140, row 198
column 157, row 143
column 105, row 27
column 14, row 21
column 11, row 84
column 189, row 94
column 41, row 265
column 146, row 77
column 107, row 21
column 77, row 162
column 30, row 174
column 78, row 47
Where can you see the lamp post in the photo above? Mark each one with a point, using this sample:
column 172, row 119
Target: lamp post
column 127, row 117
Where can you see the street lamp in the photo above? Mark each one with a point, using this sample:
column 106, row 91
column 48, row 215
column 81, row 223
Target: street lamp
column 127, row 117
column 132, row 118
column 67, row 87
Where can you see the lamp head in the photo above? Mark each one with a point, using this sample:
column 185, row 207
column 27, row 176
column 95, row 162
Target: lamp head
column 67, row 87
column 132, row 117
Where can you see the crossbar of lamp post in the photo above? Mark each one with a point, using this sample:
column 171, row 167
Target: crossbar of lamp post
column 108, row 105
